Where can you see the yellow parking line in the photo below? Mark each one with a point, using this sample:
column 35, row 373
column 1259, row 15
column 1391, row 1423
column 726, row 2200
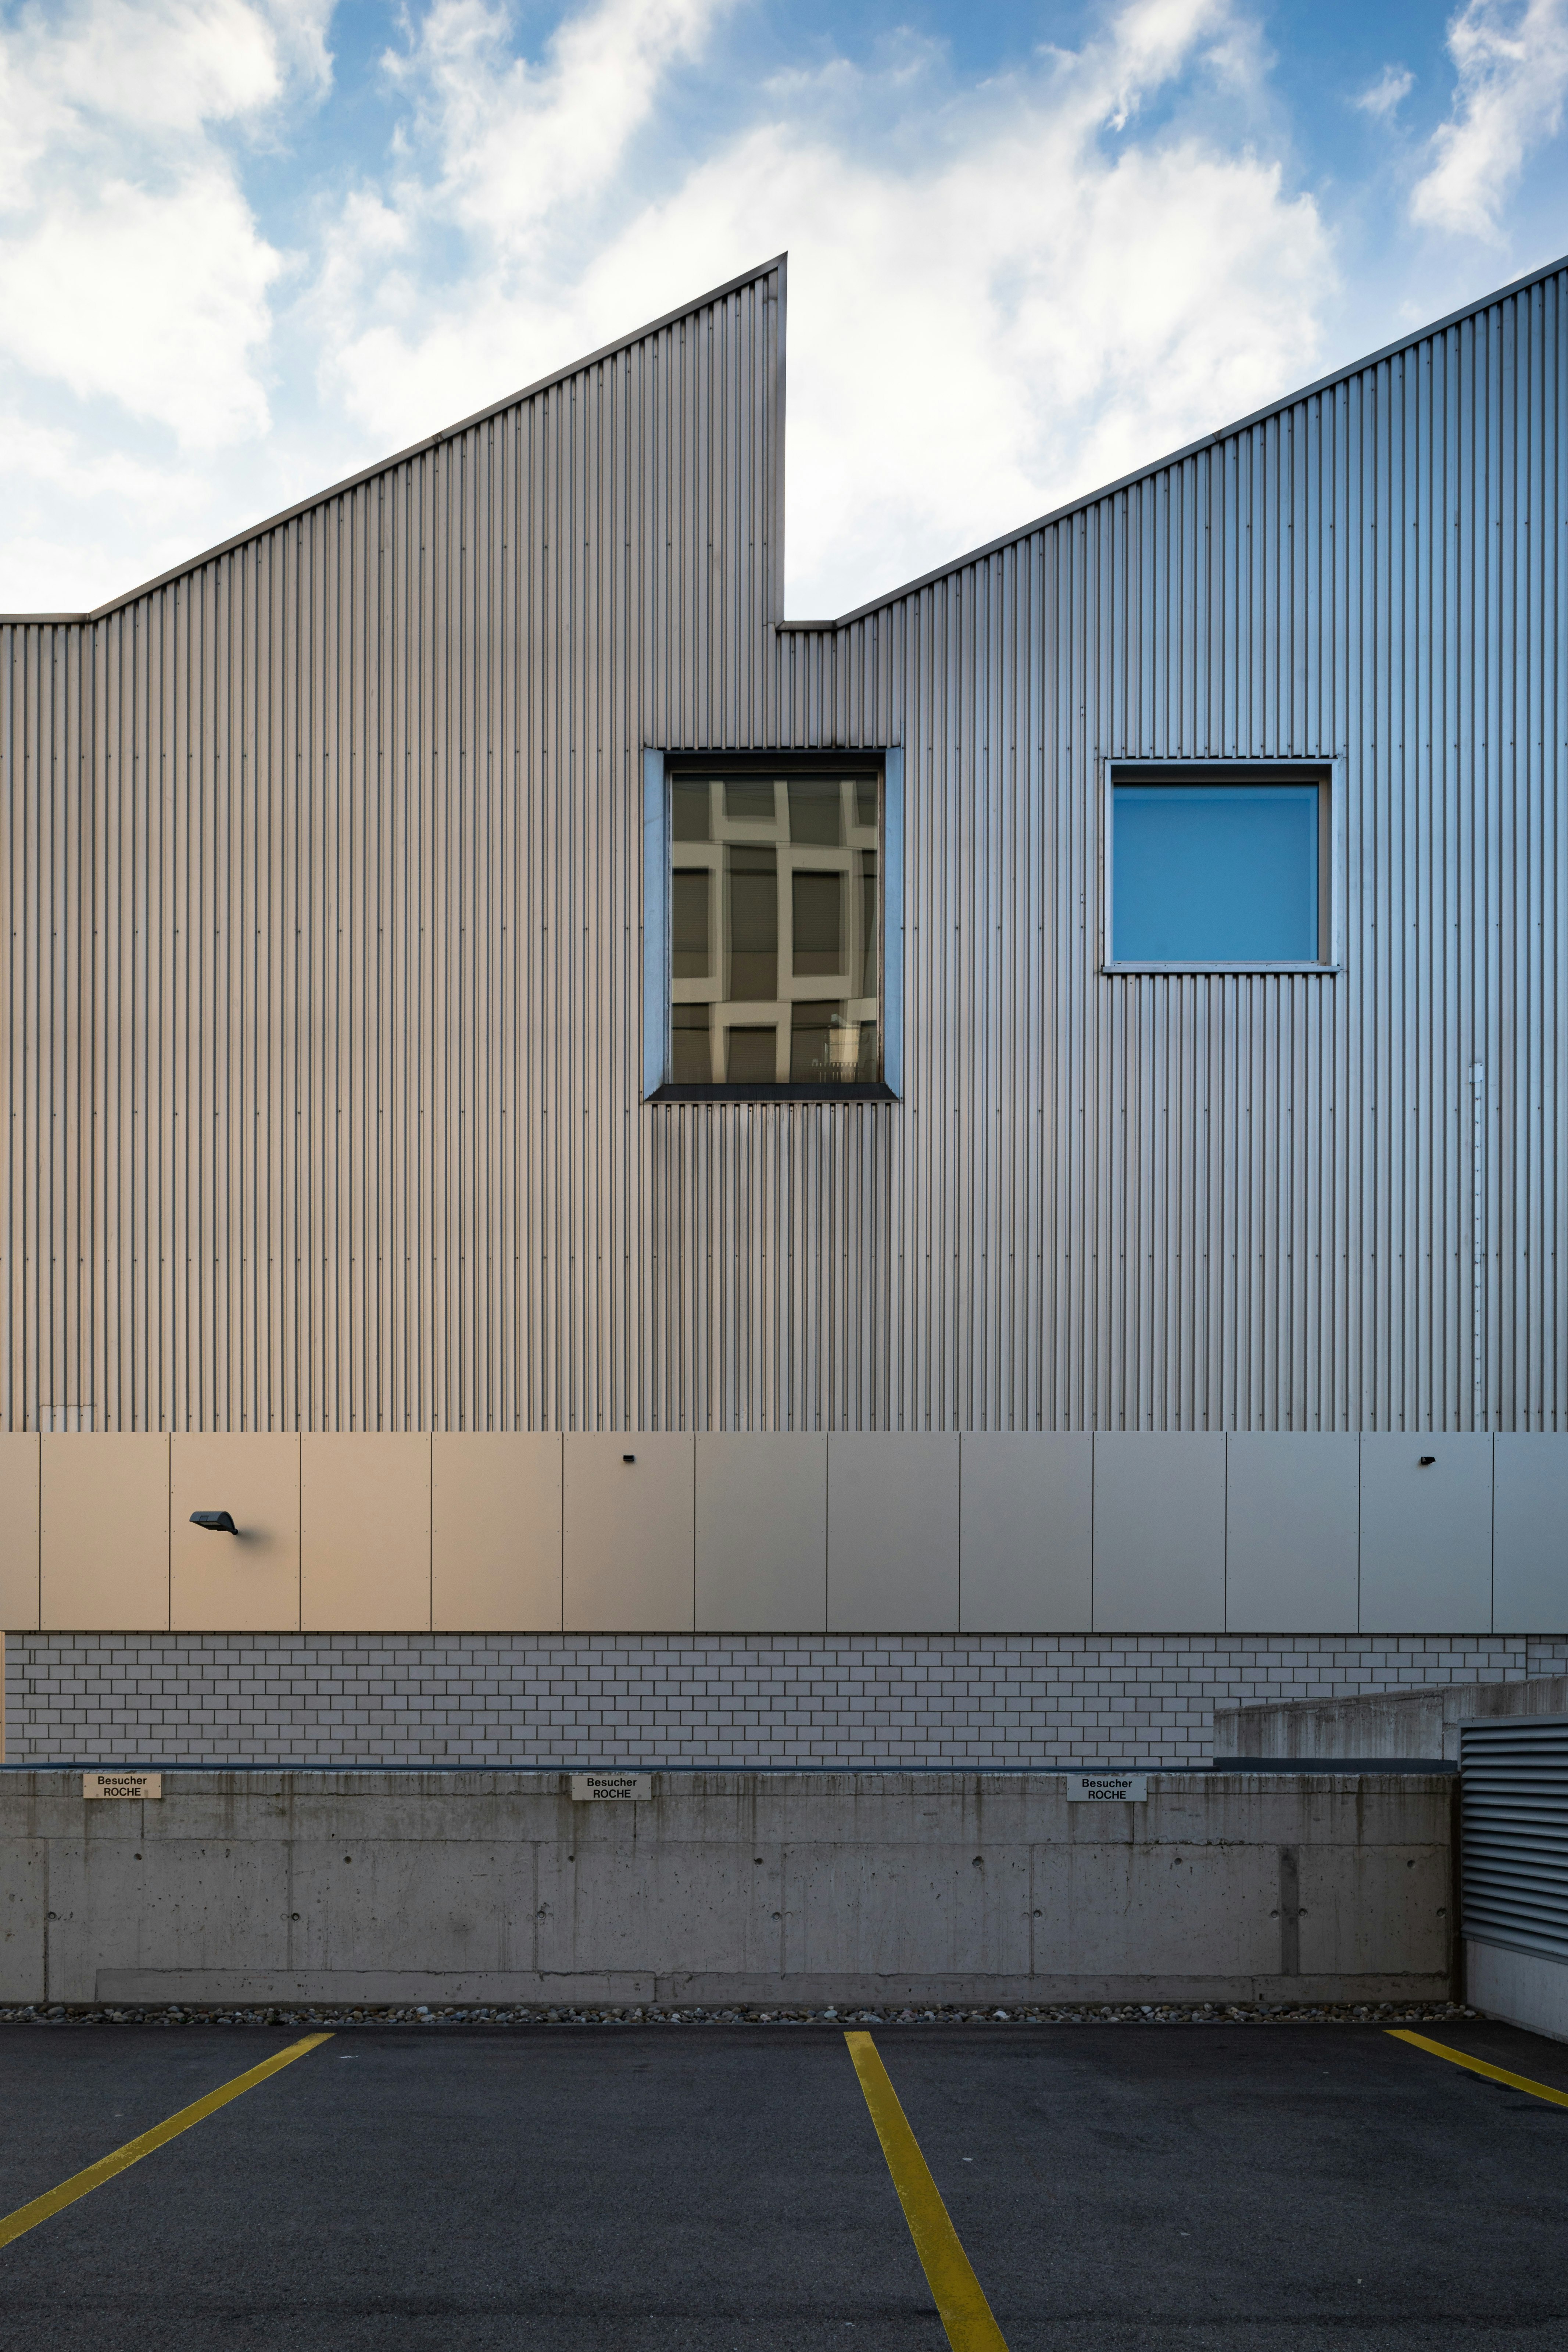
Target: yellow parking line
column 28, row 2217
column 1479, row 2066
column 962, row 2308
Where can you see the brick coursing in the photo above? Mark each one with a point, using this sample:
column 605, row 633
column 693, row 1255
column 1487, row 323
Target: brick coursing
column 711, row 1699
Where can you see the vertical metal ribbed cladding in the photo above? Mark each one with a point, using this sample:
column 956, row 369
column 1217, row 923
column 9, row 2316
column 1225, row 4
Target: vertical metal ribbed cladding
column 323, row 978
column 1245, row 1202
column 1513, row 1810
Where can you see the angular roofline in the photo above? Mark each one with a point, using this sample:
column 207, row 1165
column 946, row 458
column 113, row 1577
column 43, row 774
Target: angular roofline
column 1177, row 457
column 779, row 261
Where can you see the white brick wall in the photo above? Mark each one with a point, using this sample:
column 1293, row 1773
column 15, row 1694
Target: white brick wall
column 692, row 1699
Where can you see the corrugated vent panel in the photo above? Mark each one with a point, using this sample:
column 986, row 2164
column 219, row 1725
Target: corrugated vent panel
column 1515, row 1834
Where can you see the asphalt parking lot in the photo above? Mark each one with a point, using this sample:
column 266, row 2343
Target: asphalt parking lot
column 723, row 2189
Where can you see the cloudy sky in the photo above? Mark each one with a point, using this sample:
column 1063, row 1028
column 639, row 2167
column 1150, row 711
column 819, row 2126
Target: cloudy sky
column 250, row 246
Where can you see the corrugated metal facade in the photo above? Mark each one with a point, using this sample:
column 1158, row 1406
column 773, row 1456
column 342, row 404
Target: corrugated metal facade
column 322, row 996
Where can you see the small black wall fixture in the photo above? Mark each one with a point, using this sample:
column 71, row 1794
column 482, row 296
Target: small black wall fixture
column 1427, row 1459
column 217, row 1523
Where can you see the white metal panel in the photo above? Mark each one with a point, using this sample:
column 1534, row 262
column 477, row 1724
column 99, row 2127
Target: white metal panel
column 1292, row 1529
column 243, row 1583
column 1425, row 1534
column 1026, row 1534
column 628, row 1534
column 892, row 1534
column 364, row 1533
column 495, row 1533
column 1159, row 1534
column 18, row 1533
column 1529, row 1535
column 761, row 1534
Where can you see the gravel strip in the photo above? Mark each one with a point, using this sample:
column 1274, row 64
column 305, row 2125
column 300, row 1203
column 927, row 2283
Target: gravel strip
column 1382, row 2013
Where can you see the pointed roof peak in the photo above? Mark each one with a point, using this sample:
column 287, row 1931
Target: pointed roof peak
column 778, row 263
column 1191, row 448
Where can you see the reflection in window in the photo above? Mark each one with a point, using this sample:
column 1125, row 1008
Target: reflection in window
column 690, row 1051
column 775, row 930
column 691, row 894
column 868, row 926
column 828, row 1047
column 817, row 812
column 751, row 1055
column 746, row 803
column 752, row 896
column 688, row 805
column 819, row 924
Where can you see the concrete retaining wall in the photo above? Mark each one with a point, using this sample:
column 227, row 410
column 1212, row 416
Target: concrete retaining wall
column 1526, row 1987
column 495, row 1886
column 1397, row 1724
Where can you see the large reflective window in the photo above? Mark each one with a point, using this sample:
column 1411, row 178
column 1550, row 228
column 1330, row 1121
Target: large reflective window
column 775, row 930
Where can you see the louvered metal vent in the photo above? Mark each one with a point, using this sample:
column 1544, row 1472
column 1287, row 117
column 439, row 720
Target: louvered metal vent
column 1514, row 1860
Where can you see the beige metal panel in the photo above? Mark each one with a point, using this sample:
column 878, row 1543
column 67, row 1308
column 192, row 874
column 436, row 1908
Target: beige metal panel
column 496, row 1533
column 761, row 1534
column 1529, row 1535
column 104, row 1533
column 1159, row 1534
column 892, row 1534
column 628, row 1537
column 18, row 1534
column 364, row 1533
column 1026, row 1534
column 1292, row 1521
column 1425, row 1534
column 243, row 1583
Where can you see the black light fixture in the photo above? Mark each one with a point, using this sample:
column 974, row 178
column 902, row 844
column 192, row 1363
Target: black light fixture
column 628, row 1458
column 217, row 1523
column 1427, row 1459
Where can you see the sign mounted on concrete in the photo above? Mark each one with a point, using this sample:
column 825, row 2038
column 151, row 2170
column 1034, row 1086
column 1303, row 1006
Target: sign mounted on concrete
column 1108, row 1789
column 609, row 1787
column 122, row 1784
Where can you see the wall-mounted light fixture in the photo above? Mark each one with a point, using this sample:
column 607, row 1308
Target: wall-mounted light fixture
column 1427, row 1459
column 217, row 1523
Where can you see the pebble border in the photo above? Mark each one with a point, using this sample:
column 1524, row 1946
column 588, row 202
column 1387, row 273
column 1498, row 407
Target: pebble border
column 1382, row 2014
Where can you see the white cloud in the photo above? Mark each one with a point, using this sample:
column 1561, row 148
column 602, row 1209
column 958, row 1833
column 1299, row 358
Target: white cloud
column 1003, row 291
column 156, row 301
column 1512, row 61
column 523, row 163
column 994, row 302
column 1387, row 93
column 67, row 499
column 131, row 268
column 519, row 142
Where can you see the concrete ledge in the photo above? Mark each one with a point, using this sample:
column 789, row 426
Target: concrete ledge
column 233, row 1988
column 811, row 1887
column 1390, row 1726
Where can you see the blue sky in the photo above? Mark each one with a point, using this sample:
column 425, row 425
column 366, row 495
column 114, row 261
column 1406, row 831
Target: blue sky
column 247, row 246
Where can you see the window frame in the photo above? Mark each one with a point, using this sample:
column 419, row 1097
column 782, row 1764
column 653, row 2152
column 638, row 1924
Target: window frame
column 1328, row 775
column 887, row 765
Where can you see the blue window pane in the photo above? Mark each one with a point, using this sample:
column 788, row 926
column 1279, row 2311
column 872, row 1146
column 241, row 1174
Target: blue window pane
column 1215, row 874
